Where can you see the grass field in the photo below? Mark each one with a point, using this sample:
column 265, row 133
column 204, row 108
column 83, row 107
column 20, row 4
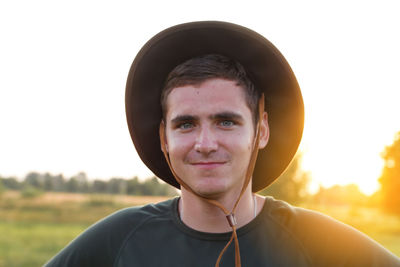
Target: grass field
column 32, row 230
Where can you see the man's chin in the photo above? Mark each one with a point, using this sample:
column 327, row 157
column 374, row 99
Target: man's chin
column 210, row 191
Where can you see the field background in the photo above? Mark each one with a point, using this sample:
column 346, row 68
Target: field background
column 33, row 229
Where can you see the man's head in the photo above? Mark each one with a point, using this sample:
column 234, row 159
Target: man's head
column 199, row 69
column 269, row 72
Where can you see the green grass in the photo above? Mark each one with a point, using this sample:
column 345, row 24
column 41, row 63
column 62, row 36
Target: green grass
column 32, row 230
column 32, row 244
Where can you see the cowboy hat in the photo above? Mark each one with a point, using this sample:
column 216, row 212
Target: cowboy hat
column 264, row 64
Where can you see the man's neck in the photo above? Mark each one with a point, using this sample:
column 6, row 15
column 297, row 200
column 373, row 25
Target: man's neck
column 203, row 216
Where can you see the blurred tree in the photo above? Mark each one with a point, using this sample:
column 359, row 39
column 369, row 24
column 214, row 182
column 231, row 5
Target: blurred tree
column 81, row 180
column 58, row 183
column 117, row 186
column 291, row 186
column 11, row 183
column 53, row 182
column 34, row 179
column 80, row 183
column 390, row 177
column 48, row 182
column 133, row 186
column 72, row 185
column 149, row 187
column 99, row 186
column 2, row 187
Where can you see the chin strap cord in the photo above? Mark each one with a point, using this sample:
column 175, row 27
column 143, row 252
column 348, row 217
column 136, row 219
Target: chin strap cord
column 230, row 216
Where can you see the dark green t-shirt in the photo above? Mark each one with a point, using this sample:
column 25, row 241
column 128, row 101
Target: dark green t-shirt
column 281, row 235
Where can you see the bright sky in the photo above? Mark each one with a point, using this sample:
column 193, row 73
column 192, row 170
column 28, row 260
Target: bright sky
column 64, row 65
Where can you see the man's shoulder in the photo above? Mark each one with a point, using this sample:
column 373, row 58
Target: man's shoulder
column 129, row 219
column 136, row 214
column 99, row 244
column 324, row 238
column 294, row 218
column 309, row 224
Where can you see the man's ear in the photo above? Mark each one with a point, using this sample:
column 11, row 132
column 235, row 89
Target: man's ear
column 163, row 137
column 264, row 131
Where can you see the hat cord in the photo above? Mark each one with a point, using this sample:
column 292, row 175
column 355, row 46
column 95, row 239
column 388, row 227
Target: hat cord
column 230, row 216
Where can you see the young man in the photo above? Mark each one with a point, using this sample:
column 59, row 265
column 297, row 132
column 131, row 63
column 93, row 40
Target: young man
column 195, row 110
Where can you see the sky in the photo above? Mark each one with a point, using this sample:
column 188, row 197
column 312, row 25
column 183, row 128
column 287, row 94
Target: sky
column 64, row 66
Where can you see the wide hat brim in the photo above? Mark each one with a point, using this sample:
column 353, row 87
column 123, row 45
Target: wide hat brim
column 265, row 66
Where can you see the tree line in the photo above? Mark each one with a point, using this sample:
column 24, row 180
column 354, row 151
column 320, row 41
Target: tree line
column 46, row 182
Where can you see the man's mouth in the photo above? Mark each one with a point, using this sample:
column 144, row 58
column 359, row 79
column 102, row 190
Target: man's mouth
column 208, row 164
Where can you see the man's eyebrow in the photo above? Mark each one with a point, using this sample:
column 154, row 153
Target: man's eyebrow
column 228, row 115
column 182, row 118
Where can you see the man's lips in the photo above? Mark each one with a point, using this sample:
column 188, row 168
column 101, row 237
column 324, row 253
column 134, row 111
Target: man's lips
column 208, row 164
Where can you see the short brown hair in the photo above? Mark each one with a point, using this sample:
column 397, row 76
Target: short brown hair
column 199, row 69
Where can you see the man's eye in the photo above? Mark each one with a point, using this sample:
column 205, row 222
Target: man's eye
column 226, row 123
column 185, row 126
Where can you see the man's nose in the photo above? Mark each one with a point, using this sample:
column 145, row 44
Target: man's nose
column 206, row 141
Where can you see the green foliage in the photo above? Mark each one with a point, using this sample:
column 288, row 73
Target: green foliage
column 117, row 186
column 390, row 178
column 291, row 186
column 152, row 187
column 30, row 192
column 34, row 179
column 37, row 182
column 133, row 186
column 2, row 188
column 11, row 183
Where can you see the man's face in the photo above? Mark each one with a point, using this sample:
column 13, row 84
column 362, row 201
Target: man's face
column 209, row 136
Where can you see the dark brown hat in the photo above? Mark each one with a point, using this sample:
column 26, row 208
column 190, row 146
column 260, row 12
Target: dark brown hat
column 264, row 64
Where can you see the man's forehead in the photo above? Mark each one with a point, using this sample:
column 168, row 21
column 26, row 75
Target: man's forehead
column 216, row 96
column 212, row 89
